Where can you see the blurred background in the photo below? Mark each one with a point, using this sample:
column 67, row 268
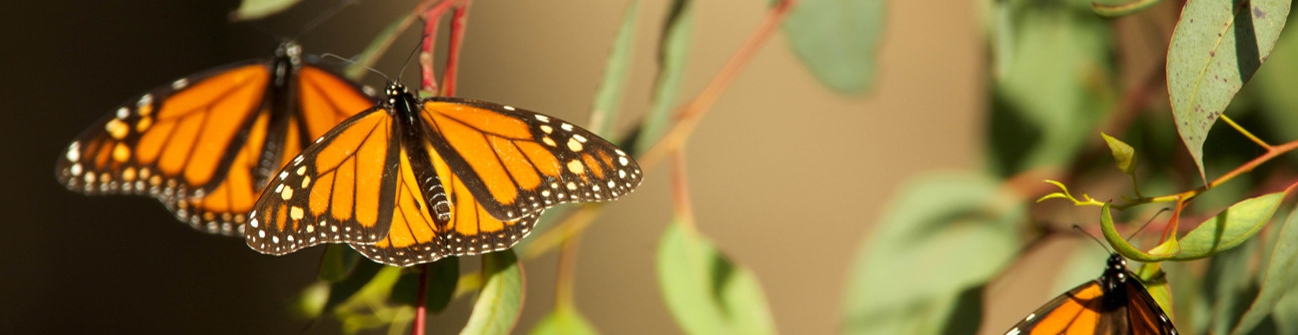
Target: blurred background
column 787, row 177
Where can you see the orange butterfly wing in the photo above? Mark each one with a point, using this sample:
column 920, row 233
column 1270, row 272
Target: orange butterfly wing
column 206, row 145
column 405, row 187
column 1126, row 309
column 517, row 162
column 323, row 99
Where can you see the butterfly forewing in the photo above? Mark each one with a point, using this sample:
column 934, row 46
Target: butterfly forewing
column 170, row 141
column 322, row 100
column 1124, row 309
column 517, row 162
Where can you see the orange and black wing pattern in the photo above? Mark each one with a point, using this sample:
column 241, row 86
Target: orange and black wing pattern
column 381, row 182
column 518, row 162
column 1115, row 304
column 205, row 145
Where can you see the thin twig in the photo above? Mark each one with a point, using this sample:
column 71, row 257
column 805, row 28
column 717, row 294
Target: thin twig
column 432, row 18
column 421, row 308
column 690, row 115
column 459, row 20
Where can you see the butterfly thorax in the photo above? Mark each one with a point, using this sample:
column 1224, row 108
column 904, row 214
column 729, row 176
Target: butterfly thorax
column 1115, row 275
column 404, row 107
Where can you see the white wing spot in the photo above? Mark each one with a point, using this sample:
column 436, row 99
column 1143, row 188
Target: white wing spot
column 306, row 181
column 579, row 138
column 122, row 113
column 300, row 170
column 574, row 145
column 565, row 126
column 287, row 193
column 508, row 107
column 74, row 151
column 576, row 167
column 283, row 174
column 75, row 169
column 623, row 160
column 296, row 213
column 179, row 83
column 542, row 118
column 253, row 223
column 572, row 186
column 547, row 128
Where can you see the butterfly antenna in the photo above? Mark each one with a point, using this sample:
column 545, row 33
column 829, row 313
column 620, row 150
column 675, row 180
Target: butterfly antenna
column 1097, row 240
column 412, row 55
column 1151, row 220
column 352, row 62
column 329, row 13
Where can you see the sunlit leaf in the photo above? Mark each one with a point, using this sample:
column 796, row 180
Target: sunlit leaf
column 947, row 233
column 1123, row 155
column 1229, row 228
column 1216, row 47
column 257, row 9
column 705, row 291
column 837, row 40
column 1117, row 10
column 563, row 321
column 1279, row 278
column 1167, row 250
column 501, row 298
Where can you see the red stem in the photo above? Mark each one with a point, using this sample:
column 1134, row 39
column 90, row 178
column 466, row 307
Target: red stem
column 459, row 18
column 421, row 308
column 432, row 18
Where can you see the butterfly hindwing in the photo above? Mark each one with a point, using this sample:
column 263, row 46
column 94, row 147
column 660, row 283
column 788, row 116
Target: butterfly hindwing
column 517, row 162
column 339, row 190
column 1115, row 304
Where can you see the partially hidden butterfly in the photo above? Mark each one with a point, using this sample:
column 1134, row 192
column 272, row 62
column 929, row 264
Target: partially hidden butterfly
column 207, row 145
column 1116, row 303
column 415, row 180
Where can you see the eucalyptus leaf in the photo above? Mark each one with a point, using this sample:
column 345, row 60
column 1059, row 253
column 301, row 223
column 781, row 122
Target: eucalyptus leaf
column 563, row 321
column 1216, row 47
column 705, row 291
column 673, row 50
column 1278, row 279
column 837, row 40
column 258, row 9
column 947, row 233
column 501, row 298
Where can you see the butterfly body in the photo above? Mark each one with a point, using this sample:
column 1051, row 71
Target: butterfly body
column 206, row 145
column 414, row 180
column 1116, row 303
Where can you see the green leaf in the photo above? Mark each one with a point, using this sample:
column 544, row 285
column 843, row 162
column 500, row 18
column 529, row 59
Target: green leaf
column 1228, row 286
column 615, row 74
column 1053, row 88
column 1285, row 313
column 1275, row 84
column 1216, row 47
column 1279, row 278
column 1118, row 10
column 1162, row 252
column 705, row 291
column 672, row 53
column 837, row 40
column 312, row 301
column 1230, row 228
column 563, row 321
column 943, row 235
column 338, row 262
column 443, row 275
column 501, row 298
column 1123, row 155
column 258, row 9
column 361, row 64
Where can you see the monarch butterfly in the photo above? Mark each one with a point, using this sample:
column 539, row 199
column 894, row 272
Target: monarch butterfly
column 1116, row 303
column 414, row 180
column 206, row 145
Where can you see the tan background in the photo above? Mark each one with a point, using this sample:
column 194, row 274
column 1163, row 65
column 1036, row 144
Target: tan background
column 787, row 177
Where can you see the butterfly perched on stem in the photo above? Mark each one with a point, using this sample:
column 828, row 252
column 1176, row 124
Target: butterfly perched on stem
column 414, row 180
column 206, row 145
column 1116, row 303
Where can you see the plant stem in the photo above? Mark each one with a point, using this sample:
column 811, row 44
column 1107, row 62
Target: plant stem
column 421, row 303
column 459, row 19
column 1271, row 152
column 1245, row 132
column 689, row 116
column 681, row 191
column 566, row 272
column 432, row 17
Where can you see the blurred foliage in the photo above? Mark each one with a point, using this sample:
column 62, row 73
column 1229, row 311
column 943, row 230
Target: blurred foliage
column 1065, row 107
